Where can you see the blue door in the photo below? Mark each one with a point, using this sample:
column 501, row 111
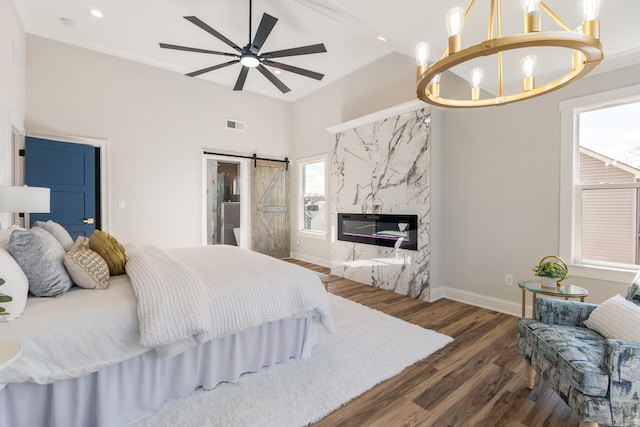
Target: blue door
column 69, row 170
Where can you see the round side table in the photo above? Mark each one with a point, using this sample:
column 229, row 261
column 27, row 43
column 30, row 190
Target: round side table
column 563, row 290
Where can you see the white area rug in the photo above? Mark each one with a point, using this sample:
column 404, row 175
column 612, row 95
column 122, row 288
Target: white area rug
column 368, row 348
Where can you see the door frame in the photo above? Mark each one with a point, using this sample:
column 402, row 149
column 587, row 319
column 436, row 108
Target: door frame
column 11, row 132
column 245, row 196
column 101, row 144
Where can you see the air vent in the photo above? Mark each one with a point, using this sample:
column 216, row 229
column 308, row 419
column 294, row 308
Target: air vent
column 236, row 125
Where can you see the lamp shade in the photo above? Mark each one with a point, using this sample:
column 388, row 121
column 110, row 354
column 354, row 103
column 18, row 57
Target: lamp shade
column 24, row 199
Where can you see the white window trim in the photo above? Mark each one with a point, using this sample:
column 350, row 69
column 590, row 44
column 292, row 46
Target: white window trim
column 568, row 171
column 320, row 235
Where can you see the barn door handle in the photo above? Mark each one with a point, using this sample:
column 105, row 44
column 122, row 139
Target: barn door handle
column 87, row 221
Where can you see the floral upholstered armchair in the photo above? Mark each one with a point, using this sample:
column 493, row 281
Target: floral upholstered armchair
column 589, row 354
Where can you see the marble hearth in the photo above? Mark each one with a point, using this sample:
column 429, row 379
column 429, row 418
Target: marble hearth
column 384, row 167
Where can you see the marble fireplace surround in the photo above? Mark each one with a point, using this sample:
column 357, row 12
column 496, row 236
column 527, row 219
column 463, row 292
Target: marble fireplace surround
column 381, row 164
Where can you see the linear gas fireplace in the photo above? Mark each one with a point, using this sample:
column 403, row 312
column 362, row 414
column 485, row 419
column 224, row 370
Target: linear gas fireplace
column 396, row 231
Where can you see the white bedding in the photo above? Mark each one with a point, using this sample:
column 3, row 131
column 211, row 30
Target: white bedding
column 85, row 330
column 192, row 295
column 73, row 335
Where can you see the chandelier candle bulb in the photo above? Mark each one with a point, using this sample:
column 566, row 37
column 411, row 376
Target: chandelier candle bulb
column 455, row 19
column 422, row 54
column 422, row 57
column 528, row 64
column 435, row 85
column 590, row 13
column 531, row 10
column 476, row 79
column 591, row 9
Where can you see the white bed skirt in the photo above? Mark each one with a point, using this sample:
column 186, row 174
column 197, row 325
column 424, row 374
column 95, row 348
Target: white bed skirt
column 121, row 394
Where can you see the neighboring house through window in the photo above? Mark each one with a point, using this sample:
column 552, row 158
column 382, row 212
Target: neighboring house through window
column 313, row 212
column 599, row 206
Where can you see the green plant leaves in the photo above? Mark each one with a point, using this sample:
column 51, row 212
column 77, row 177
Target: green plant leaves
column 4, row 298
column 550, row 269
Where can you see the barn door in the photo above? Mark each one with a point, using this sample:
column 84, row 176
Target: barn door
column 269, row 208
column 69, row 170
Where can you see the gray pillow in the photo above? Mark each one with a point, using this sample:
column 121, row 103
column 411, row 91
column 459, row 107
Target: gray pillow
column 41, row 257
column 57, row 231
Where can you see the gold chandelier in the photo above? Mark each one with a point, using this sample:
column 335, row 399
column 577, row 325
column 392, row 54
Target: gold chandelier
column 584, row 55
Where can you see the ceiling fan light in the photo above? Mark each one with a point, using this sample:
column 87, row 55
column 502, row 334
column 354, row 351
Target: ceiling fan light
column 249, row 60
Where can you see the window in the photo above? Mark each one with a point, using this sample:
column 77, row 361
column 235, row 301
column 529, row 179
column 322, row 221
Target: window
column 600, row 214
column 607, row 185
column 313, row 215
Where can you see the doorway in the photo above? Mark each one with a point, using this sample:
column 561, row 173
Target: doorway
column 100, row 204
column 262, row 202
column 226, row 192
column 69, row 171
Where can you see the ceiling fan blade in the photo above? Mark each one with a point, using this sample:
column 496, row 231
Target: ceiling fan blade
column 215, row 67
column 194, row 20
column 303, row 50
column 273, row 79
column 291, row 68
column 264, row 29
column 242, row 77
column 194, row 49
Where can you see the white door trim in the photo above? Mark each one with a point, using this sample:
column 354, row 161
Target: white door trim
column 245, row 196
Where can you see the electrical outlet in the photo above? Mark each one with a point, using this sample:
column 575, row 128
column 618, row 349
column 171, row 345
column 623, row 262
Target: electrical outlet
column 508, row 280
column 299, row 243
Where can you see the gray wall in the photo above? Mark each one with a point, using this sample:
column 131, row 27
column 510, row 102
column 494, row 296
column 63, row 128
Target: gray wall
column 157, row 123
column 501, row 177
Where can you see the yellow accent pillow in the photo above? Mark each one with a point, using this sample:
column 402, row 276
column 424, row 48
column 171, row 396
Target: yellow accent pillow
column 109, row 249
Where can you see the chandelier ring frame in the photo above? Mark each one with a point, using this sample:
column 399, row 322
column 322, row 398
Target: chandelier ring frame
column 589, row 46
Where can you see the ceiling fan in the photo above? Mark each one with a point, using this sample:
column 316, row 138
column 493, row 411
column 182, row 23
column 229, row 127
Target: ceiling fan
column 249, row 56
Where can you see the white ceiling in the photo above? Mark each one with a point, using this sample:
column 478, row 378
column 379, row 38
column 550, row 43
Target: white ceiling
column 348, row 28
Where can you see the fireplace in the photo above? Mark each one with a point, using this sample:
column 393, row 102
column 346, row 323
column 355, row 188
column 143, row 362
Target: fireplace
column 396, row 231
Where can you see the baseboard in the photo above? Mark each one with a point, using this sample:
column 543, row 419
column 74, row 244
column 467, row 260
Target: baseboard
column 479, row 300
column 313, row 260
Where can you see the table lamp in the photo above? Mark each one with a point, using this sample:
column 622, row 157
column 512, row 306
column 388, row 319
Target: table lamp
column 24, row 199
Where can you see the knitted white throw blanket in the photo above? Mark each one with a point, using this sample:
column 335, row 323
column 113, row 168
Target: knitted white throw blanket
column 192, row 295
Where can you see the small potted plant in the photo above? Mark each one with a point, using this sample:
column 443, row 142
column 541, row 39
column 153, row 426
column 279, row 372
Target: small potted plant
column 551, row 272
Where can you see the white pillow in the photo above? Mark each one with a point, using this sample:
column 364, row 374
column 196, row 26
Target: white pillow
column 5, row 235
column 57, row 231
column 16, row 286
column 616, row 318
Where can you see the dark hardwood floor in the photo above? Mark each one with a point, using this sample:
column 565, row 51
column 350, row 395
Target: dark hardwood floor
column 477, row 380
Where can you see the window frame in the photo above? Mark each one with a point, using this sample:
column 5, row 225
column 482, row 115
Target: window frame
column 569, row 156
column 323, row 235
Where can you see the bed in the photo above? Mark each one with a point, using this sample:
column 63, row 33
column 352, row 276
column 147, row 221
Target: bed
column 178, row 320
